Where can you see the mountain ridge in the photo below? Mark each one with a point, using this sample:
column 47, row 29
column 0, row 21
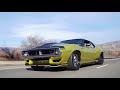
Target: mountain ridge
column 111, row 48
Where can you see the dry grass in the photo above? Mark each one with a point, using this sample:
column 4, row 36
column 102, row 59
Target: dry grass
column 10, row 54
column 7, row 54
column 33, row 41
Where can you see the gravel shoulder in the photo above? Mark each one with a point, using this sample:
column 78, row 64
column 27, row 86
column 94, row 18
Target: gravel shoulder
column 11, row 62
column 22, row 62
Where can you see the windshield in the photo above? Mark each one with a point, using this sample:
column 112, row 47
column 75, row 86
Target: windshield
column 73, row 41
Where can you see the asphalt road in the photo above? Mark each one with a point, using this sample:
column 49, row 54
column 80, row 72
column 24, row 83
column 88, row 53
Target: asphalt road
column 110, row 69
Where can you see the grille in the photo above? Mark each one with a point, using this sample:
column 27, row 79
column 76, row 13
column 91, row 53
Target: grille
column 44, row 51
column 33, row 53
column 46, row 58
column 47, row 51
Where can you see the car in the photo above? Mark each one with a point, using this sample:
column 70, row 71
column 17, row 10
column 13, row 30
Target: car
column 71, row 54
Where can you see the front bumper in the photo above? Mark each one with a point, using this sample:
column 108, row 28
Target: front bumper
column 57, row 60
column 42, row 56
column 52, row 61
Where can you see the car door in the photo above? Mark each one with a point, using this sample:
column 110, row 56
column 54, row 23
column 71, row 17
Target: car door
column 92, row 52
column 85, row 54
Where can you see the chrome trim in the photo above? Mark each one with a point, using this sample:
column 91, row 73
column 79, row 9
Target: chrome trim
column 38, row 56
column 43, row 55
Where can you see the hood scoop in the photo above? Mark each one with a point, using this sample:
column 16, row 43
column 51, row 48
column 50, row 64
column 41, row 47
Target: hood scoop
column 48, row 45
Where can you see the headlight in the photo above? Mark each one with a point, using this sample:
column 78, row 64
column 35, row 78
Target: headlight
column 25, row 53
column 57, row 52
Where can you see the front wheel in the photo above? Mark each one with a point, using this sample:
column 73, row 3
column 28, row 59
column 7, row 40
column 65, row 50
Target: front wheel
column 74, row 61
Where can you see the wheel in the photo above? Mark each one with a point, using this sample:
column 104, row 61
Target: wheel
column 74, row 61
column 101, row 59
column 36, row 68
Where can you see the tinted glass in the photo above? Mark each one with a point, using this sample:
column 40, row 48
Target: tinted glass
column 74, row 41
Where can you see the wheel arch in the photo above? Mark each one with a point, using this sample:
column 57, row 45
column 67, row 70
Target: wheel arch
column 79, row 53
column 102, row 53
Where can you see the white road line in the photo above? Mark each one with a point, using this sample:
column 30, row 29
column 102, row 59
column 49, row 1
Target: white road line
column 112, row 59
column 10, row 68
column 102, row 66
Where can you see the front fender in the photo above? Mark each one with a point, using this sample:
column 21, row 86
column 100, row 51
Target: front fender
column 68, row 50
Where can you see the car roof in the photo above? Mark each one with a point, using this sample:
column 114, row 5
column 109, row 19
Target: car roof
column 77, row 39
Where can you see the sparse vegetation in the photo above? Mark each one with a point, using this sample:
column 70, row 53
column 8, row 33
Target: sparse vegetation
column 10, row 54
column 15, row 54
column 110, row 49
column 33, row 41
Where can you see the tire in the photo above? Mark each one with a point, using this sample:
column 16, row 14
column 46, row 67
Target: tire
column 36, row 68
column 101, row 59
column 74, row 61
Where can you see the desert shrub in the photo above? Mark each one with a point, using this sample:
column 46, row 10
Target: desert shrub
column 33, row 41
column 15, row 53
column 11, row 54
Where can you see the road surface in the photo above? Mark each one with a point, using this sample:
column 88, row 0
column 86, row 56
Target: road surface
column 110, row 69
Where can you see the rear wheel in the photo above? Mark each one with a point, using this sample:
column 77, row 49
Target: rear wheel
column 36, row 68
column 101, row 59
column 74, row 61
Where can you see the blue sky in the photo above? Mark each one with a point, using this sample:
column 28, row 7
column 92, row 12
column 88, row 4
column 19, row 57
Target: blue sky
column 99, row 27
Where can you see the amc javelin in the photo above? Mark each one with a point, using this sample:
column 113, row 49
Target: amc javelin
column 70, row 53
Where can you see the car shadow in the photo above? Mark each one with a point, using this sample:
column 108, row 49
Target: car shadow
column 58, row 69
column 87, row 65
column 51, row 69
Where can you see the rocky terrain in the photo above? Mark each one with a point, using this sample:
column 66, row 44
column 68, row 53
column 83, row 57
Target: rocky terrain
column 111, row 49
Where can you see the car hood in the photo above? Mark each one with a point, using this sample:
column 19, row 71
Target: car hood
column 59, row 45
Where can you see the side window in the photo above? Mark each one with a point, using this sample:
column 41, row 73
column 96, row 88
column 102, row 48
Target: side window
column 89, row 44
column 81, row 43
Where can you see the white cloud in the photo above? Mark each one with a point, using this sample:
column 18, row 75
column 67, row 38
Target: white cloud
column 53, row 31
column 84, row 17
column 48, row 31
column 62, row 26
column 58, row 27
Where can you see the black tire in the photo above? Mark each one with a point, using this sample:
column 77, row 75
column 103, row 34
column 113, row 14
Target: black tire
column 36, row 68
column 74, row 61
column 101, row 59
